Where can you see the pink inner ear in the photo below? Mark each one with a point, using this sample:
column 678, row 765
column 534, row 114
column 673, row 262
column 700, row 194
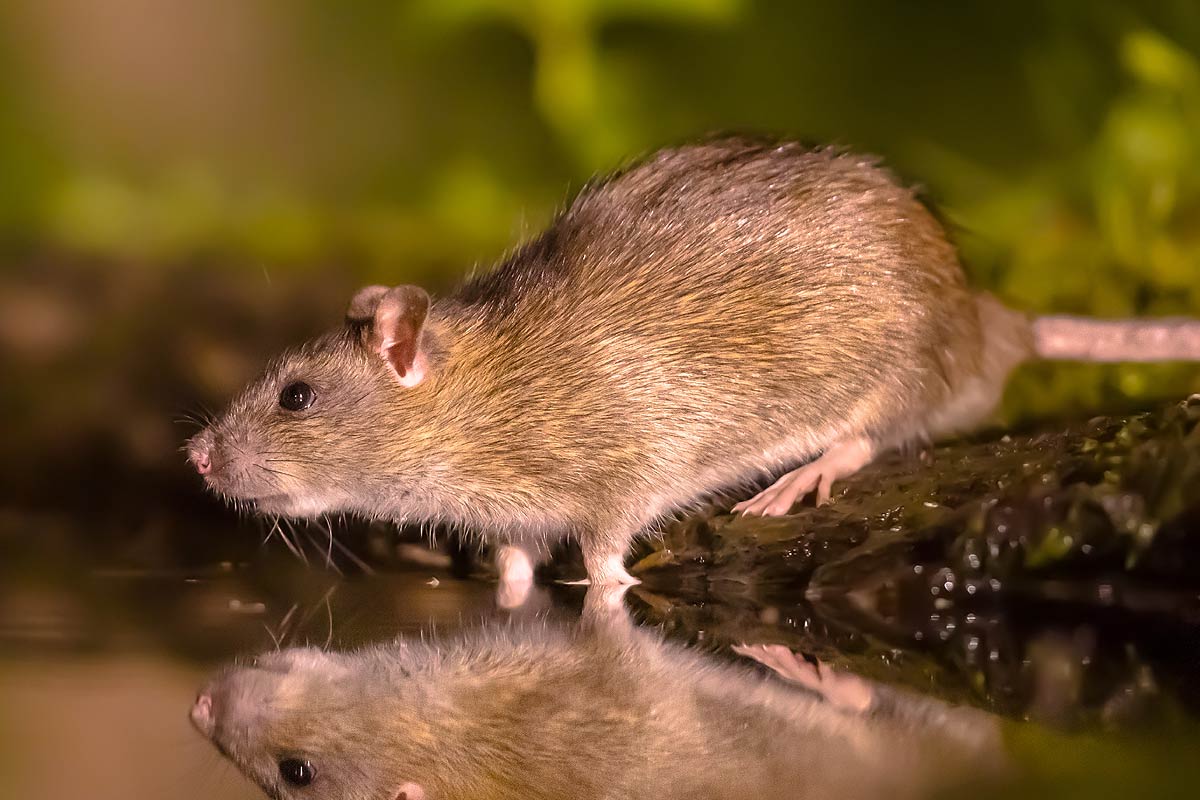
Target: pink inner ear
column 405, row 360
column 396, row 331
column 400, row 355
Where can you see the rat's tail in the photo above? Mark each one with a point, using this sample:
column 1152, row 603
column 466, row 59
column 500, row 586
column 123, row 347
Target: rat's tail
column 1084, row 339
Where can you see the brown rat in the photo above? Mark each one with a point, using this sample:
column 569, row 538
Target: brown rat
column 592, row 711
column 716, row 313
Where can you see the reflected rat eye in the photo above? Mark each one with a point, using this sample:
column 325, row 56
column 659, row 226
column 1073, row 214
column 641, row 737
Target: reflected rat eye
column 297, row 772
column 297, row 396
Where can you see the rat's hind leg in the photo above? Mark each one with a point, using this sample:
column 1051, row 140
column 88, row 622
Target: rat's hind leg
column 604, row 554
column 838, row 461
column 608, row 569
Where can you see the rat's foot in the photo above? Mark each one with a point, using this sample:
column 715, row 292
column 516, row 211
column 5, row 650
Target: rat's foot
column 842, row 690
column 605, row 571
column 838, row 461
column 516, row 576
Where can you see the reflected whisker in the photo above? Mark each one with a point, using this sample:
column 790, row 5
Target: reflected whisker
column 329, row 612
column 284, row 630
column 275, row 640
column 294, row 546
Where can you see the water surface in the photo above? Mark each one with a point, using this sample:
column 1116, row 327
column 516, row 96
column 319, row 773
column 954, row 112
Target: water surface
column 103, row 646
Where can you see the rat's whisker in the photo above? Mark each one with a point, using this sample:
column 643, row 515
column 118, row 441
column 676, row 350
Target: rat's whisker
column 366, row 568
column 274, row 530
column 276, row 471
column 329, row 549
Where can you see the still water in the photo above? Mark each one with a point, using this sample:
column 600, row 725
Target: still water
column 104, row 650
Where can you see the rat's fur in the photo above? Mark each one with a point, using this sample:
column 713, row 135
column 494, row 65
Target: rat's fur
column 709, row 316
column 537, row 712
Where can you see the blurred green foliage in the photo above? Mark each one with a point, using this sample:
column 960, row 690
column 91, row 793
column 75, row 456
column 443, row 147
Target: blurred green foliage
column 412, row 140
column 1067, row 766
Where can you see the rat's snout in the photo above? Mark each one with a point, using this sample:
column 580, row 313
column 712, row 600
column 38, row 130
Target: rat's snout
column 201, row 460
column 232, row 465
column 202, row 713
column 199, row 451
column 230, row 703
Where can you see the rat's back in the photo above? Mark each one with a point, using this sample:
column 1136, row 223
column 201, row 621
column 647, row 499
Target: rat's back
column 738, row 304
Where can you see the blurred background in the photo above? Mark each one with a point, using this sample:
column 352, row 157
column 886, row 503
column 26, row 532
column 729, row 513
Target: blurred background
column 186, row 187
column 189, row 186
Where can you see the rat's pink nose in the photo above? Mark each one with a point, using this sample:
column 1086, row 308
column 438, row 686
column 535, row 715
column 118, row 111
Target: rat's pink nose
column 202, row 713
column 200, row 459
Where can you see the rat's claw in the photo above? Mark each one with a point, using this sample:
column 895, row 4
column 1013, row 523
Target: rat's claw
column 838, row 461
column 824, row 488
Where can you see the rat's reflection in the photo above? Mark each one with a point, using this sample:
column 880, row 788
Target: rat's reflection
column 599, row 709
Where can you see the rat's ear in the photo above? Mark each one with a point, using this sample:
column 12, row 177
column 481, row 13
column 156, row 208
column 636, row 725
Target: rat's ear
column 363, row 304
column 396, row 320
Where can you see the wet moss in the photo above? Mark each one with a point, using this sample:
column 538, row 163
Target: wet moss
column 1113, row 496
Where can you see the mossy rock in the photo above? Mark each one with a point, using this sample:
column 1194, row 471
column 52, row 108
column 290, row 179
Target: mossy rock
column 978, row 569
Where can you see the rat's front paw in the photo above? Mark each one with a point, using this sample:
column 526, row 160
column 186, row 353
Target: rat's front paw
column 516, row 576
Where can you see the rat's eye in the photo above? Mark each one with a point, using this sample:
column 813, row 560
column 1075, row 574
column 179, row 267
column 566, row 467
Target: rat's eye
column 297, row 396
column 297, row 772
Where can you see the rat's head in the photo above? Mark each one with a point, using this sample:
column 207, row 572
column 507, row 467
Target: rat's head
column 309, row 434
column 301, row 724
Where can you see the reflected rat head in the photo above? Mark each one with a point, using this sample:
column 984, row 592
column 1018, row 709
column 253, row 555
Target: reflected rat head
column 297, row 724
column 326, row 419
